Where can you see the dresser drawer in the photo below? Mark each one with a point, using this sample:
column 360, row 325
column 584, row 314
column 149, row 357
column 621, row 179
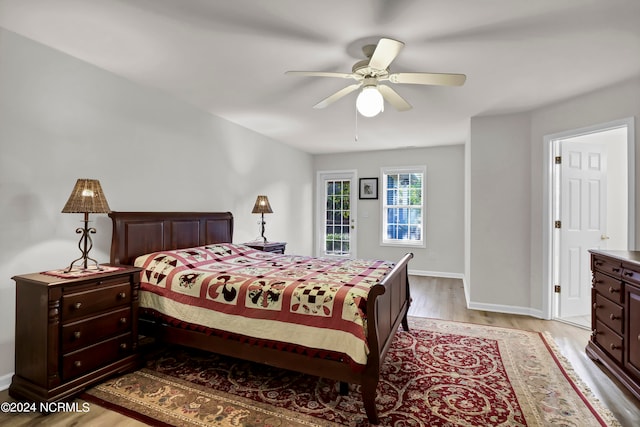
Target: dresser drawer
column 608, row 340
column 608, row 287
column 98, row 355
column 104, row 297
column 609, row 313
column 607, row 266
column 94, row 329
column 631, row 276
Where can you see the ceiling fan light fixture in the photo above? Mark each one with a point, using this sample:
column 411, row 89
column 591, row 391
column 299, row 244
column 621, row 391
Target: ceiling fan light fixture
column 370, row 102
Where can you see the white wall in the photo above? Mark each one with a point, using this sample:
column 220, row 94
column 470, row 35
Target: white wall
column 616, row 102
column 444, row 219
column 499, row 199
column 62, row 119
column 506, row 253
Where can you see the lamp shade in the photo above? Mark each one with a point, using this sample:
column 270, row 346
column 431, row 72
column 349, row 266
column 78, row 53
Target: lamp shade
column 87, row 197
column 262, row 205
column 369, row 101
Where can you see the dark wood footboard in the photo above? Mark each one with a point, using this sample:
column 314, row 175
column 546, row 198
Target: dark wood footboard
column 138, row 233
column 387, row 305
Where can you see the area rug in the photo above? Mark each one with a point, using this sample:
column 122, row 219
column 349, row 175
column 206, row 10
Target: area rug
column 440, row 373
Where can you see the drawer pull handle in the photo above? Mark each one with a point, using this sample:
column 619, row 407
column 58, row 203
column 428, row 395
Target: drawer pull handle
column 122, row 295
column 76, row 335
column 628, row 273
column 594, row 333
column 123, row 346
column 615, row 270
column 596, row 306
column 77, row 305
column 613, row 290
column 614, row 347
column 612, row 317
column 77, row 363
column 599, row 263
column 123, row 320
column 598, row 281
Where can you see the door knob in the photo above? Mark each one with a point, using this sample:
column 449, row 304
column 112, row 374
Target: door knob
column 604, row 237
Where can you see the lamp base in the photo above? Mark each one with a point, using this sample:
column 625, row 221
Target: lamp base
column 262, row 223
column 85, row 261
column 85, row 244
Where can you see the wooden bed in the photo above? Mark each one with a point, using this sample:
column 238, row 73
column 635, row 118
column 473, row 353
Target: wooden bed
column 140, row 233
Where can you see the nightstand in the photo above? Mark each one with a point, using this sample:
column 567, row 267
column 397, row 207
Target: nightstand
column 275, row 247
column 73, row 332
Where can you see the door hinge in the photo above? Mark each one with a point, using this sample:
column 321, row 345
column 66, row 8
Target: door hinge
column 557, row 224
column 556, row 289
column 558, row 160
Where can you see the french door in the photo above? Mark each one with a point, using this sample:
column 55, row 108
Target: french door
column 336, row 231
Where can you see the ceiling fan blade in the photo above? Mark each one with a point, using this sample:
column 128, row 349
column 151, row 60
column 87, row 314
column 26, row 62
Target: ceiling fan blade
column 392, row 97
column 440, row 79
column 386, row 51
column 339, row 94
column 320, row 74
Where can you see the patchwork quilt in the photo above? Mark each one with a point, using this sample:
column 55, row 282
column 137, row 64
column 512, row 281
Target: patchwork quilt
column 315, row 303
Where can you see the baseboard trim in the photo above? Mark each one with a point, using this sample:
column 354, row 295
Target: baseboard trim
column 443, row 274
column 5, row 381
column 508, row 309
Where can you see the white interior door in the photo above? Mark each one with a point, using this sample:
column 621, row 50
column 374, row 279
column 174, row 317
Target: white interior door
column 583, row 222
column 336, row 234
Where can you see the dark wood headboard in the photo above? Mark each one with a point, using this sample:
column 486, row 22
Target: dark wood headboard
column 139, row 233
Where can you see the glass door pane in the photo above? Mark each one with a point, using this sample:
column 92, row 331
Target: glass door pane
column 337, row 233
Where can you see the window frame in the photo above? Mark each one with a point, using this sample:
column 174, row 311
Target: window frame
column 384, row 172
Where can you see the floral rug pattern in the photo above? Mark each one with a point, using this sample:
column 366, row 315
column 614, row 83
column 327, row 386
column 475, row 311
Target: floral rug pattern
column 439, row 374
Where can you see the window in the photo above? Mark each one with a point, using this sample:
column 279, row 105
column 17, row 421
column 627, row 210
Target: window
column 403, row 206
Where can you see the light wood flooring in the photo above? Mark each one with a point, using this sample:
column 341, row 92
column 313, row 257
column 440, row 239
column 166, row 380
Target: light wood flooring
column 432, row 297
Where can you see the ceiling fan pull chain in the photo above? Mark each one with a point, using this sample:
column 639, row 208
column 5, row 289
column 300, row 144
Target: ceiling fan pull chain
column 356, row 110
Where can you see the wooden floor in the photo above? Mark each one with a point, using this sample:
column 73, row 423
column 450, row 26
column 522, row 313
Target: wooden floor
column 432, row 297
column 444, row 299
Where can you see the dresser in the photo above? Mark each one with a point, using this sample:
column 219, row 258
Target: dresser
column 73, row 332
column 275, row 247
column 615, row 315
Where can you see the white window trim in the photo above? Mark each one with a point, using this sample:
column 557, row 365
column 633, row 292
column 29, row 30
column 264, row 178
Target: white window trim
column 402, row 169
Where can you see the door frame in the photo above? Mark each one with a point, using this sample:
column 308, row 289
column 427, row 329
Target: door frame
column 549, row 172
column 319, row 210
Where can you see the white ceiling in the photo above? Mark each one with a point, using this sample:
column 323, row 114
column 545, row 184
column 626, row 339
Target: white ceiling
column 229, row 57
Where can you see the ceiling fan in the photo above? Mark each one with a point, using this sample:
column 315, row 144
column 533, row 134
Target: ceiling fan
column 369, row 72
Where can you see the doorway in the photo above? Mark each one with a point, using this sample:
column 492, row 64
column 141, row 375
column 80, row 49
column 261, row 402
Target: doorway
column 592, row 203
column 336, row 231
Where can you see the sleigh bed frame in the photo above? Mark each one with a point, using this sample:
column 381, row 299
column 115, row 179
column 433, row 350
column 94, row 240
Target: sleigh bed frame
column 139, row 233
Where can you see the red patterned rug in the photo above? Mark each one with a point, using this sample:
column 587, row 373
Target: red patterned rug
column 439, row 374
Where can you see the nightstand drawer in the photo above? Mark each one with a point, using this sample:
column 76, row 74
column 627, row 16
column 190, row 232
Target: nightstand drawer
column 609, row 313
column 105, row 296
column 86, row 360
column 94, row 329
